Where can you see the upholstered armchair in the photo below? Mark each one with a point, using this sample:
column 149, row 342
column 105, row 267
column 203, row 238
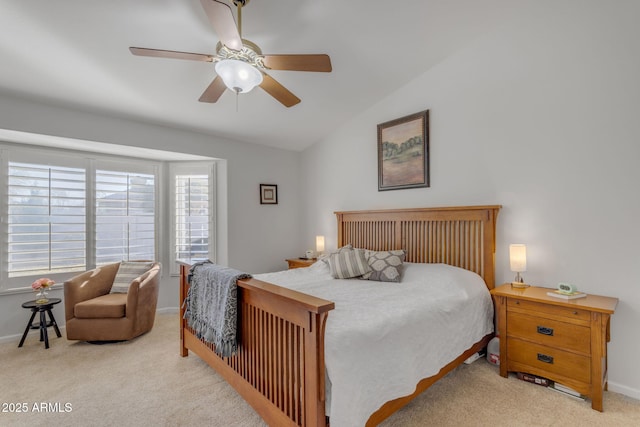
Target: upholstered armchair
column 94, row 313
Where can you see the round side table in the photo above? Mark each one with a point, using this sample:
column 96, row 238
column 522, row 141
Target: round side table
column 44, row 309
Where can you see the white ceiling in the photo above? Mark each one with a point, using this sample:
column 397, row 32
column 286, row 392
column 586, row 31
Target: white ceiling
column 74, row 53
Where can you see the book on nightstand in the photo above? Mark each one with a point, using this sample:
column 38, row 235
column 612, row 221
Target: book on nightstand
column 533, row 379
column 564, row 295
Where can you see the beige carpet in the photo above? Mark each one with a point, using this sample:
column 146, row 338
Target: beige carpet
column 145, row 382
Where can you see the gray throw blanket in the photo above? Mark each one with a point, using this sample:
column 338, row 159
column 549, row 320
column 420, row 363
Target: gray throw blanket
column 211, row 306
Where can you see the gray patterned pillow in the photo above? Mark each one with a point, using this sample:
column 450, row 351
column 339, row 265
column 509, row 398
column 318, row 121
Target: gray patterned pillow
column 127, row 272
column 348, row 263
column 385, row 265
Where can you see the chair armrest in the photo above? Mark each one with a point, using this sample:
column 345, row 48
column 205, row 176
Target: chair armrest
column 143, row 292
column 88, row 285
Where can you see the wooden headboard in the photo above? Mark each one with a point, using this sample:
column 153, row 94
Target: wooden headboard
column 463, row 236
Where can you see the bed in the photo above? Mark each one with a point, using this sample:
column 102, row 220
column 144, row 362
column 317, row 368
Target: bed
column 280, row 368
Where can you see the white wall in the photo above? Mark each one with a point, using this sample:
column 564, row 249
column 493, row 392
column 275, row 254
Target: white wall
column 254, row 233
column 540, row 116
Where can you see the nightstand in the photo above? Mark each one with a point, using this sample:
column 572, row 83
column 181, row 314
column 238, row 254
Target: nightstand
column 300, row 262
column 562, row 340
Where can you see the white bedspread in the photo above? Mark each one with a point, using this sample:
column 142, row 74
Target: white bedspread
column 382, row 338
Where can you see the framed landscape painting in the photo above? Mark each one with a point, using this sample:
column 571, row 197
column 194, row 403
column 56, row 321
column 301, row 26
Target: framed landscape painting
column 403, row 152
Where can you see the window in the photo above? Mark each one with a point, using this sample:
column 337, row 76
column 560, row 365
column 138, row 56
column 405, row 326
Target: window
column 46, row 219
column 125, row 216
column 192, row 191
column 63, row 212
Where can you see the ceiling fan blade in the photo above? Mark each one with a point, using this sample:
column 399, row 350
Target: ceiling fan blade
column 213, row 92
column 279, row 92
column 159, row 53
column 221, row 18
column 321, row 63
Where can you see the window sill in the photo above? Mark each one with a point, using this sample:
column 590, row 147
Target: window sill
column 26, row 290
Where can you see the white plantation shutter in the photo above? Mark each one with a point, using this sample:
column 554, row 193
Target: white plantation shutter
column 193, row 207
column 125, row 216
column 192, row 216
column 46, row 216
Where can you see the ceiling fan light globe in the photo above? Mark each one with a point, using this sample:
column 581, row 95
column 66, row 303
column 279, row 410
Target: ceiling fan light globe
column 237, row 75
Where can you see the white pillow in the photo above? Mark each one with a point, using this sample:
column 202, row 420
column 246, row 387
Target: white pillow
column 127, row 272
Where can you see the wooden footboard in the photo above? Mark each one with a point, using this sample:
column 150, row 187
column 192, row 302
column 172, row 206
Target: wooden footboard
column 279, row 366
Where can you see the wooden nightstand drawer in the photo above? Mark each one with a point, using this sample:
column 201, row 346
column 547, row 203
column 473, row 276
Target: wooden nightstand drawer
column 562, row 335
column 549, row 359
column 563, row 313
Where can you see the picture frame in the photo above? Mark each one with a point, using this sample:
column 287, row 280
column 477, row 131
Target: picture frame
column 268, row 194
column 403, row 152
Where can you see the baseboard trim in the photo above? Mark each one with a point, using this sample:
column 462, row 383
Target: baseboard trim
column 623, row 389
column 168, row 310
column 16, row 337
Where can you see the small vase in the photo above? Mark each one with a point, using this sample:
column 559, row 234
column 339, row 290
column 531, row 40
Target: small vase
column 41, row 296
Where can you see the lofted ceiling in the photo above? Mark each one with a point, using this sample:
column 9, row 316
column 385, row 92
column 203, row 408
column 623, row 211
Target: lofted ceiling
column 75, row 53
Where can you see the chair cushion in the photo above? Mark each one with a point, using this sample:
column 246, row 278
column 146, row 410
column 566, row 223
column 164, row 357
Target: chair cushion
column 105, row 306
column 127, row 272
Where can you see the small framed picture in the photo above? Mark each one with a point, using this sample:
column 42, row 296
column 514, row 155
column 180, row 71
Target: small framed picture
column 268, row 194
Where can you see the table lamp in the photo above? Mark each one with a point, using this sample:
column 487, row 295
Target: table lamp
column 518, row 262
column 319, row 245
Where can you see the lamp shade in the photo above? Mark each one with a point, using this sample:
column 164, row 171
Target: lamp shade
column 319, row 244
column 237, row 75
column 518, row 257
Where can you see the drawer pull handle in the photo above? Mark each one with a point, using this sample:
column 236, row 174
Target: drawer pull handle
column 545, row 331
column 544, row 358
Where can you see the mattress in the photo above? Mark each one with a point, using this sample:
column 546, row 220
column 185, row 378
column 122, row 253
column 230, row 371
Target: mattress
column 382, row 338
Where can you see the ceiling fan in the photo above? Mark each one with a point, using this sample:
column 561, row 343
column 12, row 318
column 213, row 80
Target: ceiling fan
column 239, row 63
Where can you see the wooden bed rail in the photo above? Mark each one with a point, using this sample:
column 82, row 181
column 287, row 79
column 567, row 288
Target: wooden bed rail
column 279, row 366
